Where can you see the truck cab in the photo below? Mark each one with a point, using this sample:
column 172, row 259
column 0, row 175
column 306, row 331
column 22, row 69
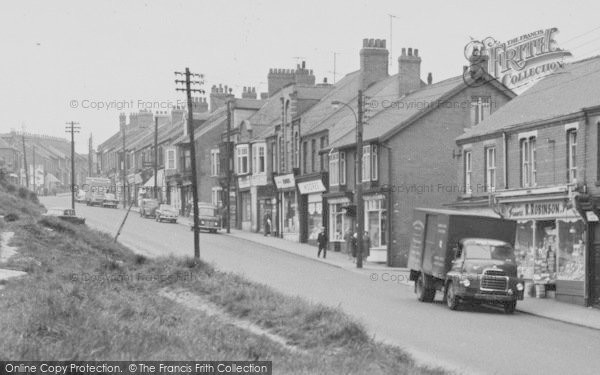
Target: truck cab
column 483, row 270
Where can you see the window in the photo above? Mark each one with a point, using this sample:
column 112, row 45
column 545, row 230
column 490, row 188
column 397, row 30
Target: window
column 304, row 156
column 322, row 156
column 242, row 159
column 217, row 196
column 171, row 158
column 528, row 162
column 374, row 163
column 342, row 168
column 313, row 155
column 187, row 160
column 339, row 225
column 161, row 159
column 258, row 158
column 490, row 169
column 334, row 171
column 366, row 163
column 468, row 172
column 480, row 109
column 376, row 221
column 296, row 150
column 572, row 155
column 215, row 162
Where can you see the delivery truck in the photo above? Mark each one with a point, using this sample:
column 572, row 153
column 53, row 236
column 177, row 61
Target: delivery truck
column 469, row 258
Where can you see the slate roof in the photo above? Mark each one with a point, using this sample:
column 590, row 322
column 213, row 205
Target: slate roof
column 567, row 91
column 398, row 112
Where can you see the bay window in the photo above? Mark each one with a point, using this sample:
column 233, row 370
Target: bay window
column 241, row 159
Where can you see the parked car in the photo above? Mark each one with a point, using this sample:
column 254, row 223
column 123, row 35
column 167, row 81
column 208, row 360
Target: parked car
column 110, row 200
column 148, row 207
column 166, row 212
column 208, row 218
column 66, row 214
column 470, row 258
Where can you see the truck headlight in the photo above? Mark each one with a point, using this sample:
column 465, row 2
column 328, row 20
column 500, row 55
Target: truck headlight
column 519, row 287
column 466, row 282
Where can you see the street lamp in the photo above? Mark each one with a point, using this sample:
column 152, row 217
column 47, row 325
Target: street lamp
column 359, row 194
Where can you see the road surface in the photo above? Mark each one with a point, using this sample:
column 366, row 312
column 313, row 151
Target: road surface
column 481, row 340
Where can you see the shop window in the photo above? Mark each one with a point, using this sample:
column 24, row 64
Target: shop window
column 468, row 171
column 315, row 218
column 572, row 155
column 571, row 250
column 525, row 250
column 490, row 169
column 545, row 251
column 376, row 222
column 480, row 109
column 338, row 223
column 528, row 162
column 246, row 206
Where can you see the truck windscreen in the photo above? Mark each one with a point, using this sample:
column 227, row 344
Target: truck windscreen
column 485, row 251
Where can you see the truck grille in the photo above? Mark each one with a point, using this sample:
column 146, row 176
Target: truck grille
column 494, row 280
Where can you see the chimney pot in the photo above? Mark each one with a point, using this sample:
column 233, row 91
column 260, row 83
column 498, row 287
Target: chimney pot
column 429, row 78
column 325, row 80
column 416, row 52
column 365, row 42
column 303, row 64
column 403, row 51
column 409, row 51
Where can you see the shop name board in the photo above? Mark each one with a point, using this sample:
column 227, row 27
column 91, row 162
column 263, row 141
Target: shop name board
column 536, row 210
column 285, row 181
column 244, row 182
column 310, row 187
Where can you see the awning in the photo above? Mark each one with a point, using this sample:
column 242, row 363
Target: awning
column 50, row 178
column 135, row 179
column 160, row 179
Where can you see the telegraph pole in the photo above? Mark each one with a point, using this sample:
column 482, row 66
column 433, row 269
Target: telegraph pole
column 156, row 157
column 34, row 174
column 229, row 165
column 360, row 207
column 188, row 83
column 25, row 159
column 122, row 166
column 72, row 127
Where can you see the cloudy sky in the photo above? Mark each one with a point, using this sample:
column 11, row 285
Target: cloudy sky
column 62, row 58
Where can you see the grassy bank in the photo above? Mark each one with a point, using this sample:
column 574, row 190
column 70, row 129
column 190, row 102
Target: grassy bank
column 86, row 298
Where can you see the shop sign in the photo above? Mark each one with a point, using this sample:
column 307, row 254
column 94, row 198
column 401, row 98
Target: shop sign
column 258, row 179
column 309, row 187
column 546, row 209
column 244, row 182
column 285, row 181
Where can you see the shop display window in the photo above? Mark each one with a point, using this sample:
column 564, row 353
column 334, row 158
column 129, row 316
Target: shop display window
column 376, row 222
column 315, row 219
column 571, row 265
column 524, row 249
column 546, row 246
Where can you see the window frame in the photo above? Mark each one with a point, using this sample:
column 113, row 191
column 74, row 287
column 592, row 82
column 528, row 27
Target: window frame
column 215, row 162
column 468, row 171
column 334, row 171
column 241, row 159
column 490, row 158
column 572, row 156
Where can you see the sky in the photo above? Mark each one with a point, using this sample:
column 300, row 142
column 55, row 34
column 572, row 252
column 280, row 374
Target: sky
column 87, row 61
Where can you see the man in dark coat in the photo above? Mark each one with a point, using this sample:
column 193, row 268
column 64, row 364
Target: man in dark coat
column 322, row 243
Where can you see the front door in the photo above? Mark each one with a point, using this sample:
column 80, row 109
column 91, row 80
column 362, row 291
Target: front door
column 595, row 267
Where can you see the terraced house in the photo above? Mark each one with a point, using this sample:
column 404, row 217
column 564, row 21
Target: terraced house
column 537, row 161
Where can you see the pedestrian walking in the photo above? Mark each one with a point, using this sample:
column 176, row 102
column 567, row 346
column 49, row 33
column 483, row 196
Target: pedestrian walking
column 366, row 248
column 267, row 225
column 322, row 243
column 354, row 244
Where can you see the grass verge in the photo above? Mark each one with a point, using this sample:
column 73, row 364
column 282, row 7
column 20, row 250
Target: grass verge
column 86, row 298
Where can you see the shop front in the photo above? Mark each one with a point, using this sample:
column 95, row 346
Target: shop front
column 341, row 222
column 288, row 207
column 245, row 203
column 550, row 246
column 311, row 210
column 376, row 226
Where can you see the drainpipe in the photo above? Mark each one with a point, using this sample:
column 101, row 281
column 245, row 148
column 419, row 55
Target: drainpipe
column 505, row 159
column 389, row 205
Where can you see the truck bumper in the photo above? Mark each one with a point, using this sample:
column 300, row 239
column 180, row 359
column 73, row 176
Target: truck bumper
column 476, row 295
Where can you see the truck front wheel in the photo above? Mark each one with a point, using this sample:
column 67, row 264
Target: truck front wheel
column 510, row 307
column 424, row 294
column 452, row 300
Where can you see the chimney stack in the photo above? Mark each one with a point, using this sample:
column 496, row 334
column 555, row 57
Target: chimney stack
column 249, row 93
column 429, row 78
column 218, row 97
column 373, row 61
column 409, row 71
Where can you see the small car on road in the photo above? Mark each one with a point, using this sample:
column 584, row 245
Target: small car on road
column 110, row 201
column 166, row 212
column 208, row 219
column 148, row 207
column 66, row 214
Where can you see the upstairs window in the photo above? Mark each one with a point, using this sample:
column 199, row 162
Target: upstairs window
column 171, row 161
column 313, row 155
column 369, row 163
column 468, row 172
column 490, row 169
column 528, row 162
column 480, row 109
column 258, row 158
column 215, row 162
column 241, row 159
column 304, row 156
column 334, row 171
column 572, row 155
column 342, row 168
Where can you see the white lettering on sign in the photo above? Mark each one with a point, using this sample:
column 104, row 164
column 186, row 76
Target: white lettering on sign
column 309, row 187
column 285, row 182
column 548, row 209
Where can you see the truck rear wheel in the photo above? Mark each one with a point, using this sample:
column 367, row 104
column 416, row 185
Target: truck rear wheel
column 424, row 294
column 510, row 307
column 452, row 300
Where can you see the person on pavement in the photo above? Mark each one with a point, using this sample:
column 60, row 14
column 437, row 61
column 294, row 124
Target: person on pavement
column 322, row 243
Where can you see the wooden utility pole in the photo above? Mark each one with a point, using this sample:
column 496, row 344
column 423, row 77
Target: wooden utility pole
column 123, row 165
column 229, row 164
column 156, row 158
column 188, row 89
column 25, row 160
column 33, row 162
column 72, row 127
column 360, row 207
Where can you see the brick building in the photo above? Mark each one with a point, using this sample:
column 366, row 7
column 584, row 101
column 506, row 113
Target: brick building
column 536, row 161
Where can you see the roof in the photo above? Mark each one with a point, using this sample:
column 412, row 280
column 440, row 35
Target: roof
column 4, row 144
column 397, row 112
column 567, row 91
